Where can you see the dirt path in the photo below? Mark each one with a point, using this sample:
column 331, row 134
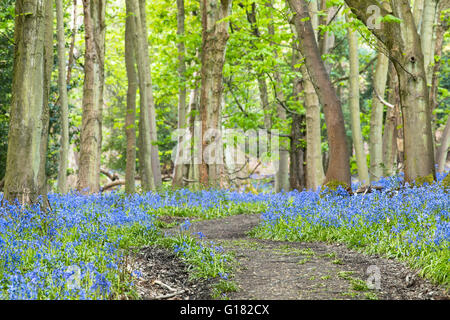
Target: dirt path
column 287, row 270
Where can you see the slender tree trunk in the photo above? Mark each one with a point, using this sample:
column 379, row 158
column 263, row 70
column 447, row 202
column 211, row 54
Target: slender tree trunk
column 282, row 174
column 404, row 46
column 63, row 101
column 139, row 41
column 91, row 130
column 178, row 171
column 130, row 118
column 195, row 142
column 426, row 36
column 326, row 39
column 23, row 179
column 376, row 118
column 297, row 168
column 391, row 125
column 418, row 13
column 214, row 39
column 339, row 167
column 358, row 142
column 45, row 120
column 314, row 167
column 442, row 150
column 156, row 167
column 72, row 43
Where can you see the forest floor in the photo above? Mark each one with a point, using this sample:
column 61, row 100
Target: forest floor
column 276, row 270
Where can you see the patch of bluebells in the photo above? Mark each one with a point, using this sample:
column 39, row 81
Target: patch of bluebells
column 87, row 232
column 401, row 222
column 37, row 248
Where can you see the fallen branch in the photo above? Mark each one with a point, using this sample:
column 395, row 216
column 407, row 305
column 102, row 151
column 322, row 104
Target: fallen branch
column 170, row 295
column 111, row 176
column 112, row 185
column 164, row 285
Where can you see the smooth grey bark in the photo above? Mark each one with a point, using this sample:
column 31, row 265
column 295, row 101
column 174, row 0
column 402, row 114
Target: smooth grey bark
column 145, row 146
column 23, row 179
column 358, row 143
column 91, row 125
column 63, row 100
column 427, row 35
column 156, row 166
column 391, row 125
column 178, row 170
column 376, row 118
column 130, row 117
column 442, row 150
column 418, row 13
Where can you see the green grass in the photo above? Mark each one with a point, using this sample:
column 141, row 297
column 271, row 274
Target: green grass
column 223, row 209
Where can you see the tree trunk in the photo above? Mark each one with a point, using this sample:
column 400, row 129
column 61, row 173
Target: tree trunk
column 358, row 142
column 339, row 167
column 442, row 150
column 72, row 43
column 63, row 101
column 418, row 13
column 404, row 46
column 178, row 171
column 214, row 39
column 314, row 167
column 23, row 179
column 391, row 125
column 426, row 36
column 145, row 150
column 156, row 167
column 376, row 118
column 282, row 174
column 441, row 28
column 91, row 130
column 193, row 172
column 297, row 168
column 130, row 118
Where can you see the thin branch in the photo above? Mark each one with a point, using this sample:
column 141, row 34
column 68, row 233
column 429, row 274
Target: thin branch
column 360, row 71
column 170, row 295
column 380, row 98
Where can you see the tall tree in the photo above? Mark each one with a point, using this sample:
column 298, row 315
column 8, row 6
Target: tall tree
column 404, row 46
column 91, row 125
column 376, row 118
column 130, row 118
column 178, row 171
column 282, row 174
column 140, row 44
column 154, row 152
column 24, row 179
column 214, row 40
column 358, row 142
column 339, row 167
column 63, row 101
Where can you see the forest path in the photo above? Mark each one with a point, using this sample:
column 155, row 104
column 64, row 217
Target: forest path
column 295, row 270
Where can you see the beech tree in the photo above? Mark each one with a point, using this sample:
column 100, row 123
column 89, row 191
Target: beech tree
column 338, row 168
column 401, row 40
column 214, row 41
column 91, row 128
column 25, row 177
